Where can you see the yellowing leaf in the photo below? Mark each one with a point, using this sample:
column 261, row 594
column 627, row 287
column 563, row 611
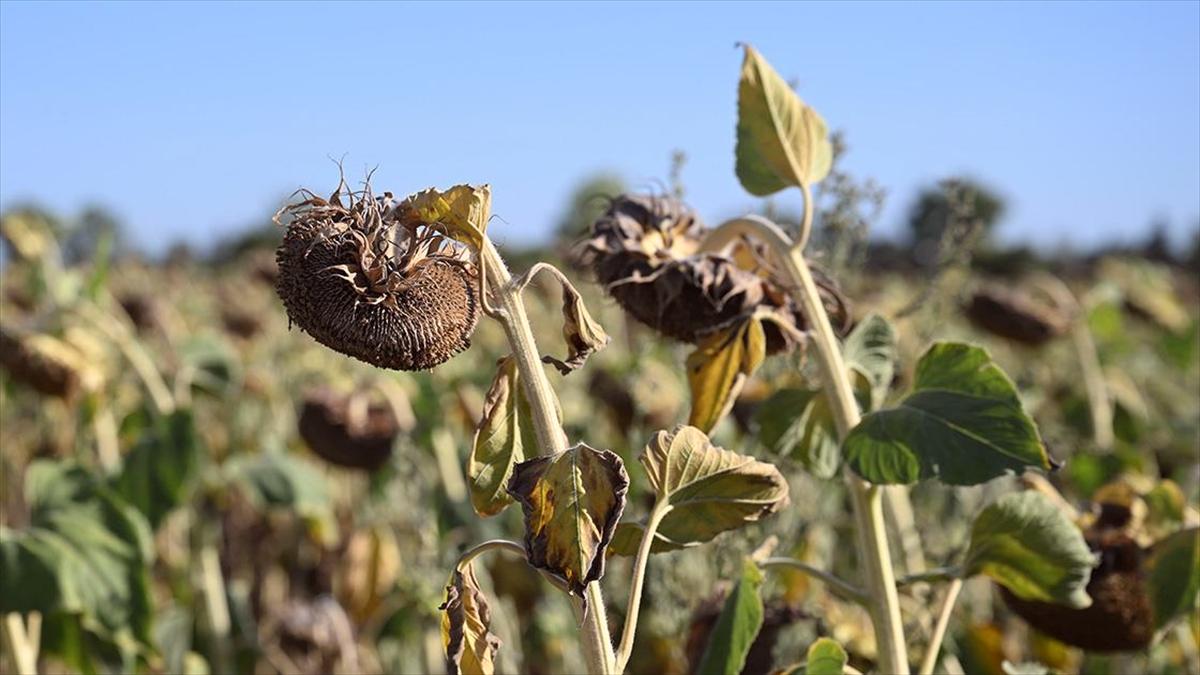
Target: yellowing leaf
column 501, row 439
column 718, row 369
column 466, row 627
column 781, row 141
column 572, row 502
column 709, row 489
column 583, row 334
column 463, row 211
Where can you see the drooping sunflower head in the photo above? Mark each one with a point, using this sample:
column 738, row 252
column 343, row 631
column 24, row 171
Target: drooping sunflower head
column 367, row 282
column 1016, row 315
column 646, row 250
column 348, row 430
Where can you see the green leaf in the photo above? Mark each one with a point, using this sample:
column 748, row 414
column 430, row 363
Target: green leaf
column 719, row 367
column 1174, row 575
column 467, row 639
column 278, row 480
column 798, row 423
column 870, row 351
column 1025, row 543
column 86, row 553
column 781, row 141
column 963, row 424
column 825, row 657
column 572, row 502
column 709, row 490
column 736, row 627
column 160, row 472
column 504, row 433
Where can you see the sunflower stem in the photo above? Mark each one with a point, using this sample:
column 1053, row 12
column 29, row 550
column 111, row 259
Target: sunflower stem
column 543, row 404
column 874, row 553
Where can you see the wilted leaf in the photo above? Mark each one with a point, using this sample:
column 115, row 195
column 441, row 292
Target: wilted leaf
column 161, row 470
column 1174, row 575
column 870, row 350
column 572, row 502
column 736, row 627
column 963, row 424
column 718, row 369
column 463, row 210
column 780, row 141
column 1025, row 543
column 501, row 440
column 466, row 627
column 825, row 657
column 708, row 489
column 798, row 423
column 584, row 336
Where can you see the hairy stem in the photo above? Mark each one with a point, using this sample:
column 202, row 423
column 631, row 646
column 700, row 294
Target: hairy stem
column 874, row 553
column 489, row 545
column 939, row 631
column 625, row 649
column 836, row 584
column 510, row 312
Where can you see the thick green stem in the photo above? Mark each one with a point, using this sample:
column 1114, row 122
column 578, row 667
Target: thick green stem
column 510, row 312
column 874, row 553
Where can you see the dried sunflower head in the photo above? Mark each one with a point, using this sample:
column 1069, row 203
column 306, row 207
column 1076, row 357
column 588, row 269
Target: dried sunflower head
column 1016, row 316
column 646, row 251
column 350, row 431
column 47, row 364
column 366, row 282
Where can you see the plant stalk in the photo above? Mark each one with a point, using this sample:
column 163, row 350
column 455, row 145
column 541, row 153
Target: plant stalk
column 939, row 631
column 22, row 639
column 835, row 583
column 543, row 404
column 874, row 553
column 625, row 649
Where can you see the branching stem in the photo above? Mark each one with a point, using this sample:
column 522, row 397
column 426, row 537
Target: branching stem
column 838, row 585
column 874, row 553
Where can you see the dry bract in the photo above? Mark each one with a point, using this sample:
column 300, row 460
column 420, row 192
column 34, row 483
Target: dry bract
column 646, row 252
column 349, row 431
column 368, row 283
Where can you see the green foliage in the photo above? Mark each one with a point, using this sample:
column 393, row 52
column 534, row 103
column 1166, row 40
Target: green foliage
column 962, row 423
column 736, row 627
column 83, row 562
column 159, row 473
column 503, row 439
column 870, row 352
column 1024, row 542
column 825, row 657
column 808, row 436
column 1174, row 575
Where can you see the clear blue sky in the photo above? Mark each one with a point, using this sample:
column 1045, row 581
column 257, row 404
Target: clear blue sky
column 190, row 120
